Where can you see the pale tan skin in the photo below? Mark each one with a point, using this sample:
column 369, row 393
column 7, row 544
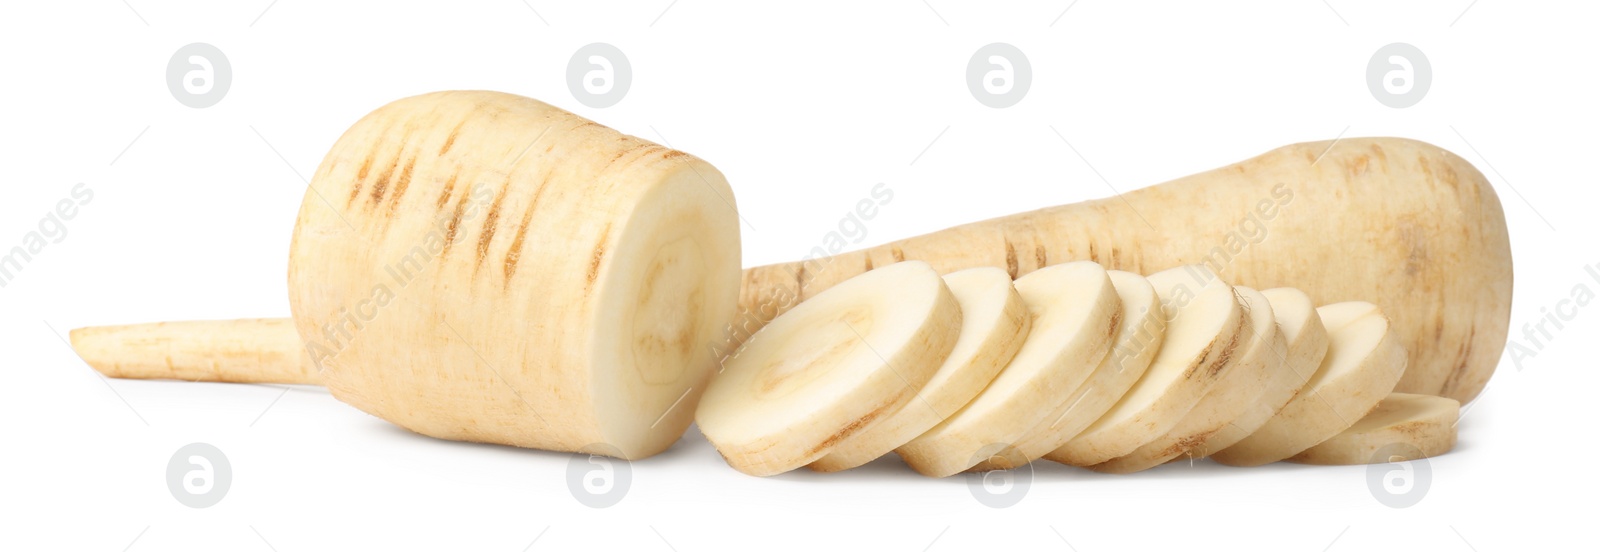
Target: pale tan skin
column 1363, row 363
column 1423, row 426
column 1427, row 227
column 994, row 321
column 244, row 351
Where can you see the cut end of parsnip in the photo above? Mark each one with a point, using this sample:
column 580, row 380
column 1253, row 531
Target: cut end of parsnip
column 1422, row 426
column 1363, row 363
column 830, row 368
column 1205, row 329
column 994, row 322
column 1075, row 316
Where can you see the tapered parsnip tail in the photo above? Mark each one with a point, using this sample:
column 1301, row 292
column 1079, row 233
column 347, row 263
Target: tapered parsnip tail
column 1363, row 363
column 1247, row 376
column 1403, row 425
column 1305, row 343
column 1076, row 314
column 242, row 351
column 1205, row 329
column 485, row 267
column 994, row 321
column 833, row 367
column 1137, row 341
column 1425, row 215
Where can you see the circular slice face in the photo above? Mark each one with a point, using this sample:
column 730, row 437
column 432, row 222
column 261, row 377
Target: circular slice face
column 1422, row 424
column 829, row 368
column 1305, row 343
column 1138, row 339
column 1204, row 328
column 994, row 321
column 1363, row 363
column 1244, row 380
column 1075, row 314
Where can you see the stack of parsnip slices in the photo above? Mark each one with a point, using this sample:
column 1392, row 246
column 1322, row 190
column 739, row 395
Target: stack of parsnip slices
column 1107, row 370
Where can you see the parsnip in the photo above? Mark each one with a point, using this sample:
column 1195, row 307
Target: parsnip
column 1291, row 216
column 1205, row 328
column 831, row 368
column 994, row 322
column 1363, row 363
column 1305, row 343
column 1246, row 377
column 1075, row 315
column 1136, row 344
column 1425, row 425
column 245, row 351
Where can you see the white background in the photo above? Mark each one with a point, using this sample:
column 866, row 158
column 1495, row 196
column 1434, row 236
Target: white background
column 804, row 106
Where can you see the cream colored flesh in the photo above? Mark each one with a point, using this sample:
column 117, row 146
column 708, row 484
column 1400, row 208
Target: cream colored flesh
column 1205, row 326
column 994, row 322
column 1075, row 315
column 1404, row 426
column 832, row 367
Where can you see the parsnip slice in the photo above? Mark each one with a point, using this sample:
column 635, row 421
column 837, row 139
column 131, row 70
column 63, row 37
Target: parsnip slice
column 1306, row 343
column 1424, row 425
column 1137, row 341
column 1075, row 315
column 1247, row 376
column 1204, row 328
column 994, row 322
column 830, row 368
column 1363, row 363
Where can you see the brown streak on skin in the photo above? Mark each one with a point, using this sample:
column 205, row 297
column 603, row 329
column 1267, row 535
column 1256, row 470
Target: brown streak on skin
column 899, row 256
column 1039, row 257
column 869, row 262
column 1227, row 352
column 361, row 178
column 515, row 254
column 489, row 226
column 1092, row 255
column 636, row 147
column 450, row 141
column 672, row 154
column 455, row 225
column 449, row 186
column 401, row 185
column 1450, row 383
column 599, row 255
column 800, row 282
column 383, row 180
column 852, row 427
column 1011, row 260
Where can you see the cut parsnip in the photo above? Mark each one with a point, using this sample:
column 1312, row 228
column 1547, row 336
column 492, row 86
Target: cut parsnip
column 1205, row 326
column 1422, row 426
column 1306, row 342
column 1363, row 363
column 1137, row 341
column 994, row 322
column 1244, row 380
column 245, row 351
column 1075, row 315
column 830, row 368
